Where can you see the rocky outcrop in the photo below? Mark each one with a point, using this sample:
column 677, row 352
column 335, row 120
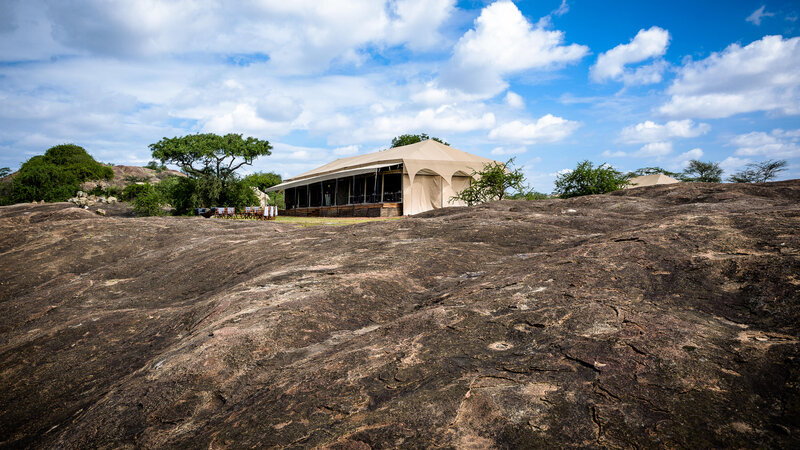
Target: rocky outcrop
column 126, row 175
column 85, row 200
column 662, row 316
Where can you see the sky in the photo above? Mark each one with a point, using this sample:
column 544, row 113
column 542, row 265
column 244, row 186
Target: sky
column 549, row 83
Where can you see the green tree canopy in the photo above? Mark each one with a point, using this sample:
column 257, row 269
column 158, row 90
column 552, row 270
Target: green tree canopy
column 492, row 183
column 704, row 172
column 587, row 180
column 263, row 180
column 57, row 175
column 759, row 172
column 4, row 171
column 407, row 139
column 651, row 171
column 210, row 155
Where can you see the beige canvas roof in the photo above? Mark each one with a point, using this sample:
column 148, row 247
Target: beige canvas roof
column 427, row 156
column 651, row 180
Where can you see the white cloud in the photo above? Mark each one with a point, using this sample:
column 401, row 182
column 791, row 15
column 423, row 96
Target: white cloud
column 296, row 36
column 762, row 76
column 654, row 149
column 652, row 132
column 446, row 118
column 514, row 100
column 616, row 154
column 508, row 151
column 547, row 128
column 732, row 164
column 504, row 42
column 777, row 144
column 560, row 172
column 562, row 9
column 645, row 45
column 757, row 15
column 346, row 150
column 685, row 157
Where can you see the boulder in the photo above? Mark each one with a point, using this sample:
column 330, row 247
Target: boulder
column 101, row 212
column 111, row 200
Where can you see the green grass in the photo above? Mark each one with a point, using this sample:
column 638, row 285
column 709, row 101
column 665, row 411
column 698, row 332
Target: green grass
column 314, row 221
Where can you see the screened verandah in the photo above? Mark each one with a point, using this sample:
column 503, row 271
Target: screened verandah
column 377, row 193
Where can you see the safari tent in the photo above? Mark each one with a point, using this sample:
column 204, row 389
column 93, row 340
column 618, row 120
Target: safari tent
column 651, row 180
column 399, row 181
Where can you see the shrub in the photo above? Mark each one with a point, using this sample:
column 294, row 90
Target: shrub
column 530, row 195
column 492, row 183
column 587, row 180
column 148, row 201
column 132, row 191
column 57, row 175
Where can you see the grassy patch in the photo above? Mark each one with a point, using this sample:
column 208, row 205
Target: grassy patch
column 312, row 221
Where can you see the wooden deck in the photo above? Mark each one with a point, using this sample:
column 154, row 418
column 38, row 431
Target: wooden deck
column 365, row 210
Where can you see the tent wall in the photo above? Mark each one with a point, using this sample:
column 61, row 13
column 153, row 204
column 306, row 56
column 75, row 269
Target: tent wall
column 424, row 194
column 451, row 190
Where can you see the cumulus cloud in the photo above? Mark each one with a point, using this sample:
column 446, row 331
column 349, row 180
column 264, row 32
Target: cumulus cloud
column 776, row 144
column 648, row 131
column 504, row 42
column 548, row 128
column 732, row 163
column 647, row 44
column 684, row 158
column 655, row 150
column 446, row 118
column 757, row 15
column 762, row 76
column 514, row 100
column 294, row 37
column 508, row 151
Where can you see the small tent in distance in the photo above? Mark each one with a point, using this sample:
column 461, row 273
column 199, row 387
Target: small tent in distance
column 398, row 181
column 650, row 180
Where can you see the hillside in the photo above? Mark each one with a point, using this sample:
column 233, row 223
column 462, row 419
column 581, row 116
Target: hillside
column 125, row 175
column 664, row 316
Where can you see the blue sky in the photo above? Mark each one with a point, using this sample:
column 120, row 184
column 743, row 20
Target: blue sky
column 548, row 82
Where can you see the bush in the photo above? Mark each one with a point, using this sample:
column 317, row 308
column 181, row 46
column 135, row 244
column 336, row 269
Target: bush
column 148, row 201
column 132, row 191
column 492, row 183
column 530, row 195
column 57, row 175
column 588, row 180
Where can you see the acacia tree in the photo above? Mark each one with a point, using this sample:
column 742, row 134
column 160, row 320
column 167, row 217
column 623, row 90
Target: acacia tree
column 211, row 162
column 407, row 139
column 759, row 172
column 704, row 172
column 492, row 183
column 651, row 171
column 210, row 155
column 588, row 180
